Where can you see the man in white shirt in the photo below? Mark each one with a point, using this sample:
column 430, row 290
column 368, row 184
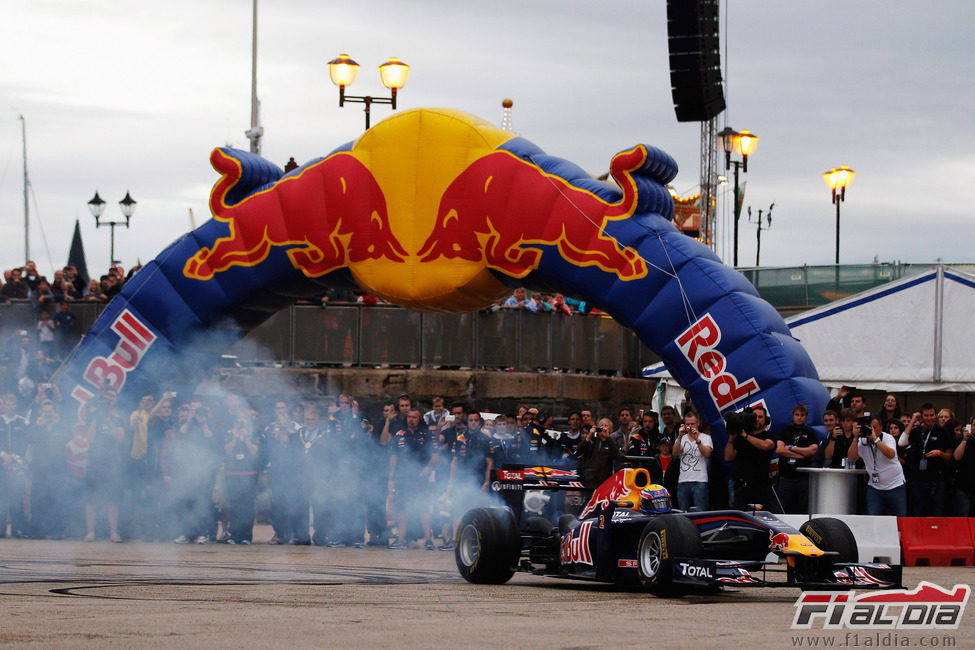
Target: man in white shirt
column 693, row 449
column 885, row 484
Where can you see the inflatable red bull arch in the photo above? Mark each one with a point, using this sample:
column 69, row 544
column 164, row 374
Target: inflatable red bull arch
column 436, row 210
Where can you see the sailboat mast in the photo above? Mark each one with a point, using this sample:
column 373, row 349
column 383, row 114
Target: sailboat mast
column 23, row 131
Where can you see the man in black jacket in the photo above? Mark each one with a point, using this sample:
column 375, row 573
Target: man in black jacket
column 749, row 453
column 599, row 454
column 928, row 451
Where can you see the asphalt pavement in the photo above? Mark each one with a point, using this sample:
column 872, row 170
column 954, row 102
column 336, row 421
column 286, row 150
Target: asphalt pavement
column 72, row 594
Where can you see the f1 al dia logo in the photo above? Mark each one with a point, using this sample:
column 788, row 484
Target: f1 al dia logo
column 926, row 607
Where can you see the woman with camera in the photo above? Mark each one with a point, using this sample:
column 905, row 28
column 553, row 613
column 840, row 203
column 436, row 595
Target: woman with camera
column 886, row 487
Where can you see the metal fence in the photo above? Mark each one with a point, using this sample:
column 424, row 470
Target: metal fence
column 801, row 287
column 386, row 336
column 381, row 335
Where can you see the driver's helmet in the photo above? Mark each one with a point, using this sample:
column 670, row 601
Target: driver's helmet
column 655, row 500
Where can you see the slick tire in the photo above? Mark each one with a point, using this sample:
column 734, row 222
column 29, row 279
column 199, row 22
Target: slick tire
column 663, row 539
column 487, row 546
column 538, row 527
column 831, row 534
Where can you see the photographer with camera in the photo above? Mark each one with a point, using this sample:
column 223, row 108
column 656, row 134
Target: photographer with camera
column 886, row 487
column 599, row 454
column 840, row 438
column 693, row 448
column 749, row 450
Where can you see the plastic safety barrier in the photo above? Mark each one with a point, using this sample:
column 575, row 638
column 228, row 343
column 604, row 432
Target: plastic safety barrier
column 937, row 541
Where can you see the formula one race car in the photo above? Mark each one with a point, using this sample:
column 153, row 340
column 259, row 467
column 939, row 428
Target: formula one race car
column 627, row 534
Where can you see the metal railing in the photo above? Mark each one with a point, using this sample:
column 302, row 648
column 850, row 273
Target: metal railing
column 793, row 288
column 358, row 335
column 387, row 336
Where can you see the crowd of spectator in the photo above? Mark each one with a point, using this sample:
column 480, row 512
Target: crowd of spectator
column 193, row 470
column 186, row 469
column 65, row 285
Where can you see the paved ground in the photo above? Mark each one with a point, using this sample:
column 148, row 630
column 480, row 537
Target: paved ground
column 71, row 594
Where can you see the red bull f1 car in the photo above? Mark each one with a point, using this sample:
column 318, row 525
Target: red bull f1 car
column 627, row 534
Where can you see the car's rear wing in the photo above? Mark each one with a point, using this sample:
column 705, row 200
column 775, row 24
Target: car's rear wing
column 512, row 481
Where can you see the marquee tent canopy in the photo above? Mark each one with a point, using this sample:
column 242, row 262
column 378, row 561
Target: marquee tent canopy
column 912, row 335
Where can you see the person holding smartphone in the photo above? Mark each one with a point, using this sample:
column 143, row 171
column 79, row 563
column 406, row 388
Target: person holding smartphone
column 693, row 448
column 837, row 444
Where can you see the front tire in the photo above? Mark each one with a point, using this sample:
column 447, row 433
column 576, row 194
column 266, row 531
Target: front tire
column 487, row 546
column 663, row 539
column 831, row 534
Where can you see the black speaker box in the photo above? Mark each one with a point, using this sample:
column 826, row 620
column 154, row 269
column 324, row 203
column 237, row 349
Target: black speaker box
column 695, row 59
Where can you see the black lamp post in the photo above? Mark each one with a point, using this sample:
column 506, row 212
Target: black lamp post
column 744, row 144
column 97, row 207
column 343, row 70
column 838, row 179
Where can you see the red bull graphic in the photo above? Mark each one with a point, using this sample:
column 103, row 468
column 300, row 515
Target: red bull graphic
column 436, row 210
column 574, row 546
column 699, row 343
column 134, row 340
column 778, row 541
column 502, row 208
column 335, row 215
column 624, row 484
column 550, row 472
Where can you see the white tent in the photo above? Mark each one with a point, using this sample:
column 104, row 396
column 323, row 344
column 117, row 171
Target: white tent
column 912, row 335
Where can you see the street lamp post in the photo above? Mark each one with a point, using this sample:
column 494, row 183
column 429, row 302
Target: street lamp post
column 838, row 179
column 97, row 207
column 343, row 70
column 744, row 144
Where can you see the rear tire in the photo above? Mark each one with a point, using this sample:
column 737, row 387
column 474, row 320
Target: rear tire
column 663, row 539
column 566, row 523
column 831, row 534
column 487, row 546
column 538, row 527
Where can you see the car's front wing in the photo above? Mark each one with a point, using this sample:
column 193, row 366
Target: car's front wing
column 708, row 574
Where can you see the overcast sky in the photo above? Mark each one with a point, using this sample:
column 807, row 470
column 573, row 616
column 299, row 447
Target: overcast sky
column 121, row 95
